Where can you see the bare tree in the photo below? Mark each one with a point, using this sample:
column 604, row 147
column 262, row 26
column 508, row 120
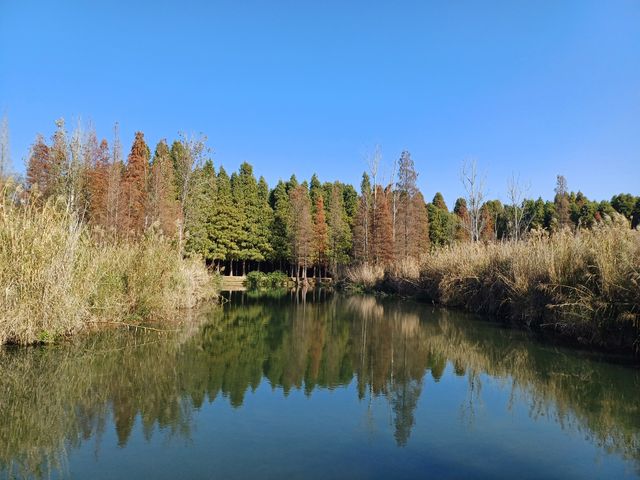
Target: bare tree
column 5, row 154
column 516, row 193
column 474, row 188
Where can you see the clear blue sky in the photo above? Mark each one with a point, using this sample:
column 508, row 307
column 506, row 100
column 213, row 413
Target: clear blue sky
column 537, row 88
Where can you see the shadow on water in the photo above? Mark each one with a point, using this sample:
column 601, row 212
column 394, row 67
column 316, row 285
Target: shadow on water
column 56, row 398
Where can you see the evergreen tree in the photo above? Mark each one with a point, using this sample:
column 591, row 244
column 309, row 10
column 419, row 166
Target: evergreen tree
column 301, row 229
column 624, row 204
column 339, row 232
column 279, row 201
column 225, row 223
column 321, row 237
column 244, row 188
column 264, row 222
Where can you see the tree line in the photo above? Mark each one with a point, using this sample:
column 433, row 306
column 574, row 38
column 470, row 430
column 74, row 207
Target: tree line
column 237, row 223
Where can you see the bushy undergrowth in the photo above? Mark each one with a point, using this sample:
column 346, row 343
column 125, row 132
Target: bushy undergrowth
column 56, row 278
column 584, row 285
column 257, row 280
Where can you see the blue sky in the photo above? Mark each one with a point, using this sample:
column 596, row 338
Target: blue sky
column 535, row 88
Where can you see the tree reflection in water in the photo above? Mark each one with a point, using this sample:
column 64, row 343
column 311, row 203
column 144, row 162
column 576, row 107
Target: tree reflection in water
column 56, row 398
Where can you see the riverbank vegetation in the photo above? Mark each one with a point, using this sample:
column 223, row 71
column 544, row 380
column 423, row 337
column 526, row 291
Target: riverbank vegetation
column 568, row 264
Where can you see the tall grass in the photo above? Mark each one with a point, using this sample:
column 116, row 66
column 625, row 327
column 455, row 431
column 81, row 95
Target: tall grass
column 583, row 285
column 57, row 279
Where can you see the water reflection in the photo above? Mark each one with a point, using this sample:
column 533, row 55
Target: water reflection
column 54, row 399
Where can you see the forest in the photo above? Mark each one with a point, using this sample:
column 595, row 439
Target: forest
column 569, row 264
column 238, row 223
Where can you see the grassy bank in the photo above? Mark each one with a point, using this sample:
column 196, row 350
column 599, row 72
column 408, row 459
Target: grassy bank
column 584, row 286
column 57, row 278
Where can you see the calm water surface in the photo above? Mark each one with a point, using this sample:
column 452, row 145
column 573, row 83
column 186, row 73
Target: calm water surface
column 327, row 387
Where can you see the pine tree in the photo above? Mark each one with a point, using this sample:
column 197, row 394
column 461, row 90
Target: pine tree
column 134, row 186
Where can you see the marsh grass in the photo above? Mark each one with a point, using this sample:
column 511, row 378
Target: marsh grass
column 583, row 285
column 57, row 278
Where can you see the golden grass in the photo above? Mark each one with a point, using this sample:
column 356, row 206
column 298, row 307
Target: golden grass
column 585, row 285
column 56, row 278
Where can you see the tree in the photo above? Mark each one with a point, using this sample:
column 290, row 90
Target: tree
column 438, row 202
column 187, row 154
column 339, row 233
column 320, row 232
column 635, row 215
column 301, row 229
column 411, row 227
column 462, row 230
column 381, row 232
column 624, row 203
column 5, row 150
column 163, row 207
column 225, row 222
column 362, row 227
column 99, row 186
column 200, row 238
column 252, row 241
column 474, row 187
column 39, row 174
column 264, row 222
column 562, row 202
column 518, row 222
column 279, row 239
column 134, row 186
column 115, row 199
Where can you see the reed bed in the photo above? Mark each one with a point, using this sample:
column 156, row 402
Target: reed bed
column 57, row 277
column 583, row 285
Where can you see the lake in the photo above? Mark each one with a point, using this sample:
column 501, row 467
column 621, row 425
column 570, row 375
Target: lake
column 317, row 385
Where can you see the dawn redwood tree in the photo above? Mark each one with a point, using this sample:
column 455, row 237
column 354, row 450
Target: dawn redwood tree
column 134, row 186
column 99, row 185
column 339, row 232
column 224, row 229
column 264, row 221
column 279, row 230
column 411, row 232
column 462, row 214
column 301, row 229
column 382, row 252
column 562, row 202
column 320, row 234
column 362, row 222
column 39, row 168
